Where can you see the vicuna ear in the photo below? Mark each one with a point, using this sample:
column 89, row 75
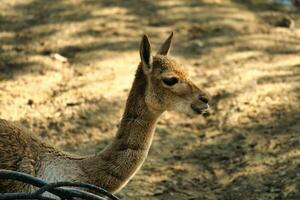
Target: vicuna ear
column 165, row 47
column 145, row 53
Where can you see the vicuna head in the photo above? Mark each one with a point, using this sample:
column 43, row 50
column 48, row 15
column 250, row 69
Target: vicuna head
column 168, row 85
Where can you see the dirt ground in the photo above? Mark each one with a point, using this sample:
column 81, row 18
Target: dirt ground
column 241, row 52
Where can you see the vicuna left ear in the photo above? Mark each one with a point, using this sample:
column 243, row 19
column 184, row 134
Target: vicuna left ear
column 165, row 47
column 145, row 54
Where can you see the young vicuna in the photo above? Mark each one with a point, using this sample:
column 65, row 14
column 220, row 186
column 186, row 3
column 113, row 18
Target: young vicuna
column 160, row 85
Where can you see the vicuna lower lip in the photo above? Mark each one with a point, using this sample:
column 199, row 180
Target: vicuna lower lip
column 196, row 109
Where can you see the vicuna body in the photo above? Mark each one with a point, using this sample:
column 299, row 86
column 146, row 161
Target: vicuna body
column 160, row 84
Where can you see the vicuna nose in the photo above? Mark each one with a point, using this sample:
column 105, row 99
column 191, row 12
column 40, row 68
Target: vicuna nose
column 203, row 98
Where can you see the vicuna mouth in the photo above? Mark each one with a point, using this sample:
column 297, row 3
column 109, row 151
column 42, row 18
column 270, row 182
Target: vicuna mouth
column 200, row 110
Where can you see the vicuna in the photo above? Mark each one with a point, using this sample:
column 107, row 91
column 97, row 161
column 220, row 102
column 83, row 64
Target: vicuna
column 160, row 85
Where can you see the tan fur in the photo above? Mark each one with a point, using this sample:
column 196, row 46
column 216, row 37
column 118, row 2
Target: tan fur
column 113, row 167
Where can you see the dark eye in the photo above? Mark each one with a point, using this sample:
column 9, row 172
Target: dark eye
column 170, row 81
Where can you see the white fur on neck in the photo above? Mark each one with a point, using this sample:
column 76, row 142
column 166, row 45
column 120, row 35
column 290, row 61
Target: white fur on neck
column 51, row 172
column 58, row 170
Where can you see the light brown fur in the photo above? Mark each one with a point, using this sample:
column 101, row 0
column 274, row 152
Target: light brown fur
column 151, row 94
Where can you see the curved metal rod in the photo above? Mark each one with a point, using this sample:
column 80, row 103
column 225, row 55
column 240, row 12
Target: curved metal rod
column 13, row 196
column 94, row 188
column 52, row 188
column 75, row 192
column 28, row 179
column 23, row 177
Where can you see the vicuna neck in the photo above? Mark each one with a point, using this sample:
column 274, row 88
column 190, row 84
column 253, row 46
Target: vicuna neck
column 117, row 163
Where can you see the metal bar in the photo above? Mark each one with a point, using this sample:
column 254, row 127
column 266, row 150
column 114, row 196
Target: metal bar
column 28, row 179
column 76, row 184
column 53, row 188
column 12, row 196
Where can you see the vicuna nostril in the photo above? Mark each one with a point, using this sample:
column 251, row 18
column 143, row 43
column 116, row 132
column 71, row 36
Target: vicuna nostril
column 203, row 98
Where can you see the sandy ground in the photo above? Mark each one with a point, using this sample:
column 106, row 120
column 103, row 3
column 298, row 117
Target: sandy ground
column 249, row 148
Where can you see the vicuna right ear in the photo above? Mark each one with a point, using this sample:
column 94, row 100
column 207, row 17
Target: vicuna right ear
column 145, row 54
column 165, row 47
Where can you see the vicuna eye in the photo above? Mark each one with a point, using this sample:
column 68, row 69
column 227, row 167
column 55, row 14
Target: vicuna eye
column 170, row 81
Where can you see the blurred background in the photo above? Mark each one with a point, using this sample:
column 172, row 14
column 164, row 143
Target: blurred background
column 66, row 68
